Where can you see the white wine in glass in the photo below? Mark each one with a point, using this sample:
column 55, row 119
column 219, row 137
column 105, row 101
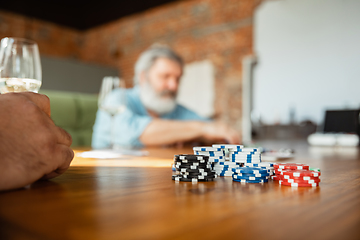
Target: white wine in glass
column 20, row 66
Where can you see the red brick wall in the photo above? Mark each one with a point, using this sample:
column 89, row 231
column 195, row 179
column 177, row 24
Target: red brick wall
column 53, row 40
column 221, row 31
column 218, row 30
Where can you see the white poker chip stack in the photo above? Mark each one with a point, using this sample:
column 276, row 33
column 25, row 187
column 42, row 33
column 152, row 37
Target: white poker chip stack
column 215, row 154
column 245, row 155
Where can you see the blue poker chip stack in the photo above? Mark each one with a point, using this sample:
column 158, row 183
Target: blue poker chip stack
column 264, row 165
column 250, row 175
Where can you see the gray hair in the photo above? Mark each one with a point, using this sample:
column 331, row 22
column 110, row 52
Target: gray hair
column 148, row 58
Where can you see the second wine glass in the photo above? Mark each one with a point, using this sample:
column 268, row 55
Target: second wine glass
column 112, row 106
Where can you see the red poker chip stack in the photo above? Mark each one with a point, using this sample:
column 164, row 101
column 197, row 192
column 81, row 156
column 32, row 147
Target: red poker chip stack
column 279, row 167
column 300, row 178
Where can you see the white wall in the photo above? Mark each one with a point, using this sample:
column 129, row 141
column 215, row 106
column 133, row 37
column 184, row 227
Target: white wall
column 308, row 58
column 196, row 90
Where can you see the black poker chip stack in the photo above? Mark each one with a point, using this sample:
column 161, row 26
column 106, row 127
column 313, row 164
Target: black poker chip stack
column 193, row 168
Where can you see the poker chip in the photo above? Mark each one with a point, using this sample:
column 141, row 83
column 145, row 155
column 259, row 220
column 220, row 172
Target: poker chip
column 281, row 182
column 246, row 150
column 236, row 176
column 194, row 180
column 301, row 181
column 228, row 146
column 192, row 167
column 194, row 170
column 207, row 174
column 206, row 149
column 252, row 170
column 262, row 164
column 245, row 153
column 253, row 175
column 191, row 157
column 304, row 178
column 245, row 161
column 300, row 173
column 227, row 162
column 250, row 181
column 291, row 166
column 210, row 154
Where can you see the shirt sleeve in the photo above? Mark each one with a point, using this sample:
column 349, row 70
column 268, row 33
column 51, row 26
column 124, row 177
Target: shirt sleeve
column 127, row 128
column 183, row 113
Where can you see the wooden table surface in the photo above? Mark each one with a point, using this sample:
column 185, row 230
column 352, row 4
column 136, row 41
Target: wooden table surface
column 135, row 198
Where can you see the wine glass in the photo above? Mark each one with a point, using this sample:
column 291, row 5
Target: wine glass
column 20, row 67
column 115, row 104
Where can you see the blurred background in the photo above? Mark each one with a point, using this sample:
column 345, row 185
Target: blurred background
column 269, row 68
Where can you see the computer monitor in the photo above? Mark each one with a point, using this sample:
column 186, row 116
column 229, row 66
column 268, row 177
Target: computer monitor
column 342, row 121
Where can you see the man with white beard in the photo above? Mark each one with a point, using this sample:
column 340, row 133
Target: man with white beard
column 153, row 117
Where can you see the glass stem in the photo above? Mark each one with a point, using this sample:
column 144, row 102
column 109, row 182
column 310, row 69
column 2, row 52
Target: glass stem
column 112, row 133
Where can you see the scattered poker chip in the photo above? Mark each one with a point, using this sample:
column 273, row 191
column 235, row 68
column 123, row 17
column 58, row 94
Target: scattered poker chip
column 300, row 173
column 206, row 149
column 281, row 182
column 292, row 166
column 252, row 170
column 250, row 181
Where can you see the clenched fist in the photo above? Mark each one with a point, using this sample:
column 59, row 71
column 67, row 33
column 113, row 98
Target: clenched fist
column 31, row 146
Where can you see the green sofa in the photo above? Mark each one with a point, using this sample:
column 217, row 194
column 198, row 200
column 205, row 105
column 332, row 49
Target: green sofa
column 74, row 112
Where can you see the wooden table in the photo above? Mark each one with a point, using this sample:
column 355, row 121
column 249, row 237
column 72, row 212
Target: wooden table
column 120, row 199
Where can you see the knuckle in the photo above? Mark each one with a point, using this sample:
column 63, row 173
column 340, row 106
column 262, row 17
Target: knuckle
column 66, row 135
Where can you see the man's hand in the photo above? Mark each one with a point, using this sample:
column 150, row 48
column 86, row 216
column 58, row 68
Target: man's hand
column 31, row 146
column 218, row 131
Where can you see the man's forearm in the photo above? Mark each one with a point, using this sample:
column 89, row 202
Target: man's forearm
column 160, row 132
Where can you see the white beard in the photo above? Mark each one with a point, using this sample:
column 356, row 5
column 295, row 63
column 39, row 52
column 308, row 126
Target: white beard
column 154, row 101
